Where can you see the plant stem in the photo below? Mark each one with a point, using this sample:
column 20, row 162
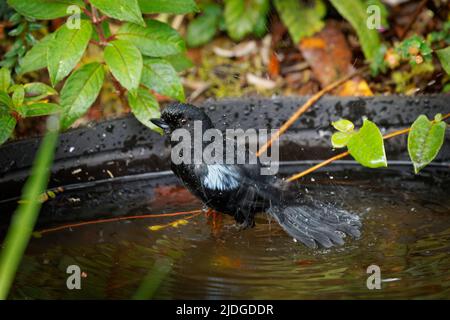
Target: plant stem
column 97, row 22
column 98, row 221
column 308, row 104
column 344, row 154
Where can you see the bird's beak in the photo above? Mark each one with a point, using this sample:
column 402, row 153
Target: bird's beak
column 160, row 123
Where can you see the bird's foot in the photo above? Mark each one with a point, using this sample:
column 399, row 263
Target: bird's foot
column 247, row 224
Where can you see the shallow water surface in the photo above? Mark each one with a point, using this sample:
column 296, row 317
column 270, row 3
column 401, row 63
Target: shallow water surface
column 406, row 232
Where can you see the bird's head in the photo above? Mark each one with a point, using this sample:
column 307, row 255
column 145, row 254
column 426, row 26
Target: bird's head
column 181, row 115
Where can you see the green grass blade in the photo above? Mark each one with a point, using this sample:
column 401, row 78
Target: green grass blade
column 24, row 219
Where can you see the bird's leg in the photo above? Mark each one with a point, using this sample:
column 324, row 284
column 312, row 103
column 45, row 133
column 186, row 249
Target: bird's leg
column 247, row 224
column 244, row 221
column 215, row 219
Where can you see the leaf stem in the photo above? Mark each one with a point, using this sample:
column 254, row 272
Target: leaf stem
column 97, row 21
column 344, row 154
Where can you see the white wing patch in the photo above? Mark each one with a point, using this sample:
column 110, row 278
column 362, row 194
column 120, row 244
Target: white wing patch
column 221, row 177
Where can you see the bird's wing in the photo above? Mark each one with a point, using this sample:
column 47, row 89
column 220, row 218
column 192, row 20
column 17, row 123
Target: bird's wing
column 251, row 190
column 221, row 177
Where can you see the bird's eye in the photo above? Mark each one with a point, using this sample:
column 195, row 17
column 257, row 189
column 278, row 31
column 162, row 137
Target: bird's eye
column 183, row 121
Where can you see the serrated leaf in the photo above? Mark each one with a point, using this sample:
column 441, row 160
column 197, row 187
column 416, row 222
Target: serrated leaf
column 125, row 62
column 157, row 39
column 80, row 91
column 7, row 125
column 343, row 125
column 123, row 10
column 203, row 28
column 66, row 50
column 168, row 6
column 39, row 109
column 18, row 96
column 180, row 62
column 444, row 58
column 367, row 146
column 160, row 76
column 44, row 9
column 145, row 107
column 301, row 19
column 36, row 57
column 35, row 91
column 340, row 139
column 424, row 141
column 355, row 12
column 5, row 79
column 241, row 16
column 5, row 100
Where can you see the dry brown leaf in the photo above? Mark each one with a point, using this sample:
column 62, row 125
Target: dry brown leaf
column 355, row 87
column 328, row 54
column 274, row 66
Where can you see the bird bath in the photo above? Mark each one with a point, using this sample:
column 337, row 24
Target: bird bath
column 118, row 169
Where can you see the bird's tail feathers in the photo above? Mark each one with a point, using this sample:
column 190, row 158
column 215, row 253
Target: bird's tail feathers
column 316, row 225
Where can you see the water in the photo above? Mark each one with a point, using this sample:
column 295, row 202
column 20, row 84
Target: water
column 406, row 232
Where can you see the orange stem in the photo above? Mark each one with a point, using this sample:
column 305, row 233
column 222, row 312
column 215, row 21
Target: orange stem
column 85, row 223
column 344, row 154
column 308, row 104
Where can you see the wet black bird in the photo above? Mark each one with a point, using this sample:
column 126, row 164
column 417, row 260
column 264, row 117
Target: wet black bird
column 241, row 191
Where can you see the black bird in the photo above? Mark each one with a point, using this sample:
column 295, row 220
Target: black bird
column 241, row 191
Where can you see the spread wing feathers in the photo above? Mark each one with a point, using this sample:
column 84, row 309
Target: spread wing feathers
column 317, row 225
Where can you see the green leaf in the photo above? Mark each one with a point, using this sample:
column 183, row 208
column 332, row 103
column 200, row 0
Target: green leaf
column 145, row 107
column 44, row 9
column 160, row 76
column 180, row 62
column 5, row 79
column 80, row 91
column 424, row 141
column 301, row 19
column 355, row 12
column 383, row 10
column 125, row 62
column 340, row 139
column 378, row 63
column 367, row 147
column 66, row 50
column 39, row 109
column 7, row 125
column 168, row 6
column 155, row 40
column 444, row 57
column 35, row 91
column 5, row 100
column 241, row 16
column 204, row 27
column 36, row 57
column 343, row 125
column 18, row 96
column 123, row 10
column 17, row 31
column 412, row 47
